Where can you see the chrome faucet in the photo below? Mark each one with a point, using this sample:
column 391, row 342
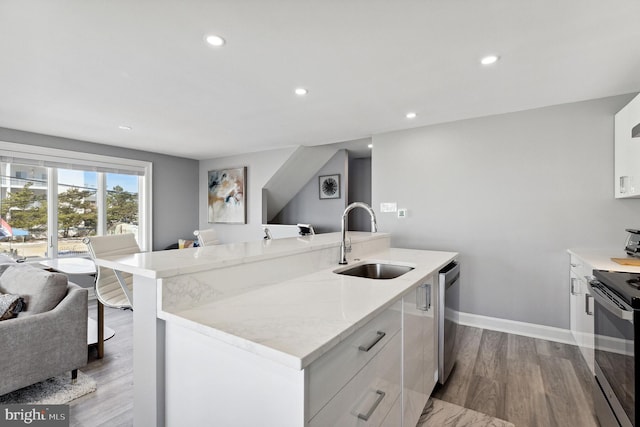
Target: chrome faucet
column 374, row 227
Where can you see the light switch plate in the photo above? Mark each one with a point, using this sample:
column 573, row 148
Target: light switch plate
column 402, row 213
column 388, row 207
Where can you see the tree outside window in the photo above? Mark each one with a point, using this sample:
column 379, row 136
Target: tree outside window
column 24, row 214
column 26, row 210
column 122, row 211
column 77, row 215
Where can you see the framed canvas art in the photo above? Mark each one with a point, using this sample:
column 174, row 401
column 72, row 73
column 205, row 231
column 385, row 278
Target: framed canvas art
column 227, row 196
column 329, row 186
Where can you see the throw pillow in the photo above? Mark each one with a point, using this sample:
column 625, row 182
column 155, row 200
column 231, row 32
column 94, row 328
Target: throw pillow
column 182, row 243
column 10, row 306
column 42, row 290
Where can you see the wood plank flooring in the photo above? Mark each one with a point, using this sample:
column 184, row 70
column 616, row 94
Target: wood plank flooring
column 112, row 403
column 527, row 381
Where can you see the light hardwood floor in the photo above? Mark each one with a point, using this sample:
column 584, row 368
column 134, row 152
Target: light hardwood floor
column 112, row 403
column 527, row 381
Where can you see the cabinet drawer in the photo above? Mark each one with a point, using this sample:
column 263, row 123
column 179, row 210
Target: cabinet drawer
column 394, row 417
column 580, row 268
column 333, row 370
column 367, row 399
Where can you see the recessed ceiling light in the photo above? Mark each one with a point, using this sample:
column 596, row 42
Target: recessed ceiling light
column 123, row 127
column 411, row 115
column 370, row 146
column 490, row 59
column 215, row 41
column 301, row 91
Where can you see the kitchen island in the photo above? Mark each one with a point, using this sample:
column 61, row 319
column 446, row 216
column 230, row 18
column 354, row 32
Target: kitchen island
column 263, row 332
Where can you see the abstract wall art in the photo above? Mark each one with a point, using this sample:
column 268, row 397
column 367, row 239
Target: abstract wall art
column 227, row 196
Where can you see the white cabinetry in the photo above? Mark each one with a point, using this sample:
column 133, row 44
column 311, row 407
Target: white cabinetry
column 358, row 381
column 581, row 308
column 369, row 396
column 420, row 351
column 627, row 151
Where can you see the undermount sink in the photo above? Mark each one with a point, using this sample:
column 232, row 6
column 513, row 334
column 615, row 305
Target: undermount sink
column 376, row 270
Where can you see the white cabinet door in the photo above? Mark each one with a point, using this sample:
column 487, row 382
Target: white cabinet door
column 586, row 325
column 627, row 151
column 622, row 155
column 414, row 386
column 431, row 336
column 420, row 349
column 581, row 309
column 574, row 306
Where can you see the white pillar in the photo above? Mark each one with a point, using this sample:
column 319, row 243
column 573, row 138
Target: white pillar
column 148, row 354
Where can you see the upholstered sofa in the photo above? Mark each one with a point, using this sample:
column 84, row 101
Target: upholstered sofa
column 49, row 336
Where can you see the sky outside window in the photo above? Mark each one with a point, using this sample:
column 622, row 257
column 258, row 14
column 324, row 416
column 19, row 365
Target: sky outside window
column 127, row 182
column 87, row 179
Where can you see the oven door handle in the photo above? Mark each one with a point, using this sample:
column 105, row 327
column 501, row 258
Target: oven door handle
column 601, row 298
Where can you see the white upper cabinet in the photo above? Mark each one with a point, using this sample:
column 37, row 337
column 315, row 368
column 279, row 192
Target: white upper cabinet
column 627, row 151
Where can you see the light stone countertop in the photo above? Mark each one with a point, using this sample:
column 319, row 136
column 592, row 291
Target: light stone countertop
column 296, row 321
column 169, row 263
column 600, row 259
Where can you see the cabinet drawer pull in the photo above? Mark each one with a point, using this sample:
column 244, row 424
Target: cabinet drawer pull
column 376, row 340
column 423, row 297
column 573, row 286
column 623, row 187
column 587, row 310
column 365, row 417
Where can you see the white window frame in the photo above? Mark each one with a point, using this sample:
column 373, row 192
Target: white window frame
column 91, row 161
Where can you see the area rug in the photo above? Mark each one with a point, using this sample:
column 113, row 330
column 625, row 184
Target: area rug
column 56, row 390
column 444, row 414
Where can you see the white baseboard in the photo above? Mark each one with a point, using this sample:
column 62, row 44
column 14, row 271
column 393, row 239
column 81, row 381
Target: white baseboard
column 518, row 328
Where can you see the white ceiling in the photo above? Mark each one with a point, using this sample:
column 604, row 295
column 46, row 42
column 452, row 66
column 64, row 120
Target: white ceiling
column 79, row 69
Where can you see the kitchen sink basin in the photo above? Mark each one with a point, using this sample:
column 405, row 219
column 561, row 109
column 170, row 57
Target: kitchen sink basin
column 376, row 270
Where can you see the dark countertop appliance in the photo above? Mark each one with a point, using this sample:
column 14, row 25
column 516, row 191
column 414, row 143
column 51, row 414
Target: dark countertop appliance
column 633, row 242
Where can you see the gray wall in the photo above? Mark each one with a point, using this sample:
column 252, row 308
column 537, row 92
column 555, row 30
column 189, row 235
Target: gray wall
column 175, row 182
column 511, row 193
column 359, row 191
column 260, row 168
column 307, row 208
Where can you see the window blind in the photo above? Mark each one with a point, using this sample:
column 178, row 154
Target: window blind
column 32, row 159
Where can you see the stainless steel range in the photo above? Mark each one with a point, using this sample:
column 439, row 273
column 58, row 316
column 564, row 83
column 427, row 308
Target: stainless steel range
column 617, row 333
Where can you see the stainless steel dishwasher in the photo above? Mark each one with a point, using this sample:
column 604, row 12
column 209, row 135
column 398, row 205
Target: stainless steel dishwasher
column 448, row 318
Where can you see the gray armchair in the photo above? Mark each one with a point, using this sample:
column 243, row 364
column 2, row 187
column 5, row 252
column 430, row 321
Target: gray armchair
column 43, row 345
